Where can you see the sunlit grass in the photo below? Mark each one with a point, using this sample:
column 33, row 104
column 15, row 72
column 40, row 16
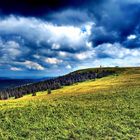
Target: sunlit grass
column 107, row 108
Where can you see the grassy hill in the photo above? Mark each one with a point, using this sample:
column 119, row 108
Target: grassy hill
column 106, row 108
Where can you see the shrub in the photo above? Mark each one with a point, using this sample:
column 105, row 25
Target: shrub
column 49, row 91
column 34, row 94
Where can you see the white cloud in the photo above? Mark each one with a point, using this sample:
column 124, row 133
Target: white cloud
column 89, row 45
column 9, row 50
column 131, row 37
column 53, row 37
column 88, row 28
column 31, row 65
column 15, row 69
column 62, row 54
column 36, row 56
column 68, row 67
column 47, row 32
column 81, row 56
column 55, row 46
column 85, row 55
column 53, row 60
column 116, row 50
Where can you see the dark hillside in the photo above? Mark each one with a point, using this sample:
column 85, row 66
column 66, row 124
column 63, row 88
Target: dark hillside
column 56, row 83
column 11, row 83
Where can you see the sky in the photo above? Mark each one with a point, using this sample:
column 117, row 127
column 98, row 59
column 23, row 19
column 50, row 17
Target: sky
column 55, row 37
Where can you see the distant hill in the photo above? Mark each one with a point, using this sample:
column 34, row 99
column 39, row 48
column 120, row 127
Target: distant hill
column 12, row 83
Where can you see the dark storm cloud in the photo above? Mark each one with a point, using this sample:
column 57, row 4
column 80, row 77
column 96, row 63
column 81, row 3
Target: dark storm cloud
column 132, row 43
column 41, row 7
column 69, row 17
column 115, row 22
column 67, row 34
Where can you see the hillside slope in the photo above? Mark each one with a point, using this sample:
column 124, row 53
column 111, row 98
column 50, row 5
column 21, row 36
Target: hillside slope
column 58, row 82
column 107, row 108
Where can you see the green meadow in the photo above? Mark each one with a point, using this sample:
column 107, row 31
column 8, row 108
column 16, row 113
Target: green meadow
column 100, row 109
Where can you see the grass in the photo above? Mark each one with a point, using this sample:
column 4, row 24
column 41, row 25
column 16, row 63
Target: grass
column 107, row 108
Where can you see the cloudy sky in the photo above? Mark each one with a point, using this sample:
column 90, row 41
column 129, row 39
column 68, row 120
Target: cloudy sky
column 55, row 37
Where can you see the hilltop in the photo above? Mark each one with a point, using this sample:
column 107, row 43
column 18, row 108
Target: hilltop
column 102, row 108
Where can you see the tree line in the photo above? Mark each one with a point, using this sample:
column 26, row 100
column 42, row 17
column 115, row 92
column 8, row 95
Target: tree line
column 54, row 83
